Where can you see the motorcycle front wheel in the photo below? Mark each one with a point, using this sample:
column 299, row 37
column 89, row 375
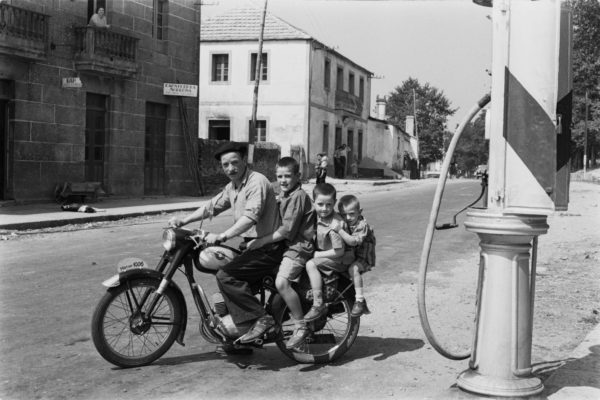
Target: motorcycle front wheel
column 123, row 331
column 331, row 336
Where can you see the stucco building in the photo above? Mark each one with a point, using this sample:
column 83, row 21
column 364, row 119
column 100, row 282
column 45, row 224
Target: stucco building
column 79, row 103
column 390, row 146
column 311, row 98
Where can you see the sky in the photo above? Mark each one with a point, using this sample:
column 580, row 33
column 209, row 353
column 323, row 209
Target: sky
column 446, row 43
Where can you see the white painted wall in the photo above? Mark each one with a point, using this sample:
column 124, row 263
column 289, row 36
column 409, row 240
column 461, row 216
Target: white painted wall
column 387, row 144
column 296, row 67
column 282, row 100
column 380, row 143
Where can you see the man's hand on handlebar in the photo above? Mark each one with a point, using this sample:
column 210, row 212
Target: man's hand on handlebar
column 214, row 238
column 175, row 222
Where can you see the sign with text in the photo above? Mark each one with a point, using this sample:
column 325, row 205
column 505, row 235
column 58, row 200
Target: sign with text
column 180, row 89
column 72, row 82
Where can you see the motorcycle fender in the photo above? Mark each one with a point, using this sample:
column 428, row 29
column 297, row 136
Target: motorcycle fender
column 123, row 277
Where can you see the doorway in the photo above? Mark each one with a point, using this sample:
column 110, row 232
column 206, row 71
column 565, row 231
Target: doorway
column 154, row 153
column 95, row 137
column 4, row 148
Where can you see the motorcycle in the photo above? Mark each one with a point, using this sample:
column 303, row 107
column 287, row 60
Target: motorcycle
column 143, row 311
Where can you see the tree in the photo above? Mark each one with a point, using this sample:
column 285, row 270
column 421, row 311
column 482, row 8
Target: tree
column 472, row 149
column 432, row 109
column 586, row 78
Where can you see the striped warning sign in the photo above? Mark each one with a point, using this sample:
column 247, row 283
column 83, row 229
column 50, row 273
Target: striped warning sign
column 524, row 134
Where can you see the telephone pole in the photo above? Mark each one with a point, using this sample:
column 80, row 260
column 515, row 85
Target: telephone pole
column 585, row 135
column 417, row 134
column 258, row 73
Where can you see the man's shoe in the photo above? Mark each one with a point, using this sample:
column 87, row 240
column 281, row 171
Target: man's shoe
column 315, row 313
column 360, row 308
column 297, row 338
column 257, row 330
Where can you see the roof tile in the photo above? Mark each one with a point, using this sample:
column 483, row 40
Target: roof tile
column 244, row 24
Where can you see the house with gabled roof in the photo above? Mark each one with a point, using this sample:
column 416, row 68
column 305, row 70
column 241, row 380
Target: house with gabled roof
column 311, row 99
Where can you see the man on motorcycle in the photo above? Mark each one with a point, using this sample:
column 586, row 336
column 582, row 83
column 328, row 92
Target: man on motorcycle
column 256, row 214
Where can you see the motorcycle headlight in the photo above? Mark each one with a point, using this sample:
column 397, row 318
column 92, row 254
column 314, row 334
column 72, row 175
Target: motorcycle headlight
column 169, row 239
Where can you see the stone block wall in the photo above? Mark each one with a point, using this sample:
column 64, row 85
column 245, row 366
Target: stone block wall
column 47, row 122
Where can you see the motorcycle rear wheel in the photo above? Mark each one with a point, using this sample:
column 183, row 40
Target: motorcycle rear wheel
column 122, row 332
column 331, row 337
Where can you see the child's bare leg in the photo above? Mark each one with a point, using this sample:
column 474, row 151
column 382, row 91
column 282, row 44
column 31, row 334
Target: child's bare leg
column 360, row 305
column 358, row 281
column 290, row 297
column 318, row 309
column 316, row 283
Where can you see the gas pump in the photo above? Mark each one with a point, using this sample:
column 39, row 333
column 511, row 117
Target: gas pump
column 528, row 180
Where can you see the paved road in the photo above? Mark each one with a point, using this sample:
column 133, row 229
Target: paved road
column 51, row 283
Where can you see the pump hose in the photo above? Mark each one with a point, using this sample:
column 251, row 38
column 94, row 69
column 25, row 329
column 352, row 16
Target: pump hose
column 435, row 208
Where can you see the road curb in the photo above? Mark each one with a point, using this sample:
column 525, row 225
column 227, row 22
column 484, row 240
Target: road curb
column 20, row 226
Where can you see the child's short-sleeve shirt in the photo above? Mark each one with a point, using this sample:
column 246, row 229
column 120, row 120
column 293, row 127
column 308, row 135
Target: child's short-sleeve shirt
column 365, row 236
column 327, row 237
column 298, row 218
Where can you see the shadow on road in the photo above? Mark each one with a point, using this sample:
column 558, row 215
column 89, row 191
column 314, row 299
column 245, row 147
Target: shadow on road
column 376, row 347
column 382, row 348
column 271, row 359
column 575, row 372
column 268, row 358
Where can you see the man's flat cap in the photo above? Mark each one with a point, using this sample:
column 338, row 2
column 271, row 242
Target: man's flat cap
column 228, row 147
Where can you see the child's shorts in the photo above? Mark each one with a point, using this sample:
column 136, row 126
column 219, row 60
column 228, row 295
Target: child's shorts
column 291, row 269
column 328, row 266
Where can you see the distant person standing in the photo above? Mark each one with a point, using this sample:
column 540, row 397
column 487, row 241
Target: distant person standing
column 321, row 167
column 354, row 167
column 337, row 162
column 98, row 20
column 344, row 150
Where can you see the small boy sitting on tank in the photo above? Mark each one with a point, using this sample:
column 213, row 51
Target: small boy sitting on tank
column 329, row 247
column 360, row 255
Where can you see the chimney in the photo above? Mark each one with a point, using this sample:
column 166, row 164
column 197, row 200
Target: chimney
column 381, row 102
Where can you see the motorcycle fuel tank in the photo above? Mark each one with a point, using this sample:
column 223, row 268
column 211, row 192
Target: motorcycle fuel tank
column 215, row 257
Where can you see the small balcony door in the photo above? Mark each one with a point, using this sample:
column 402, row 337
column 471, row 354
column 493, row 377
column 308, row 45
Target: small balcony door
column 154, row 155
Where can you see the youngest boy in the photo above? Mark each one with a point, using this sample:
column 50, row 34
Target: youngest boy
column 330, row 247
column 297, row 229
column 361, row 239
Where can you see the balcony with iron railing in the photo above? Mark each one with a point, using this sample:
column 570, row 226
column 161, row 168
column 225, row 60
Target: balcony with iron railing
column 23, row 33
column 348, row 102
column 105, row 51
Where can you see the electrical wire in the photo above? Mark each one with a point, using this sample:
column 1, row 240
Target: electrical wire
column 435, row 208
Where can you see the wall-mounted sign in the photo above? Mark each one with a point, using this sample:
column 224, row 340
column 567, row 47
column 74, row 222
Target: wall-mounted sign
column 72, row 82
column 180, row 89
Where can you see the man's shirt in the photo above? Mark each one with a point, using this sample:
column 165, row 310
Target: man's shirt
column 253, row 198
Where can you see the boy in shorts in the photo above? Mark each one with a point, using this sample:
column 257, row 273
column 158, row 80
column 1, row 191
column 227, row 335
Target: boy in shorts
column 329, row 247
column 361, row 240
column 297, row 230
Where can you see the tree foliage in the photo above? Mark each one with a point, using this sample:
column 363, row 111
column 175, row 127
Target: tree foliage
column 586, row 77
column 432, row 111
column 472, row 149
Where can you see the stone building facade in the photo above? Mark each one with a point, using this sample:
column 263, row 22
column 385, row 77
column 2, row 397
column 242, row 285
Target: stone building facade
column 85, row 104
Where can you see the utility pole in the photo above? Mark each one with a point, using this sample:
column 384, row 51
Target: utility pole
column 258, row 73
column 417, row 134
column 585, row 135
